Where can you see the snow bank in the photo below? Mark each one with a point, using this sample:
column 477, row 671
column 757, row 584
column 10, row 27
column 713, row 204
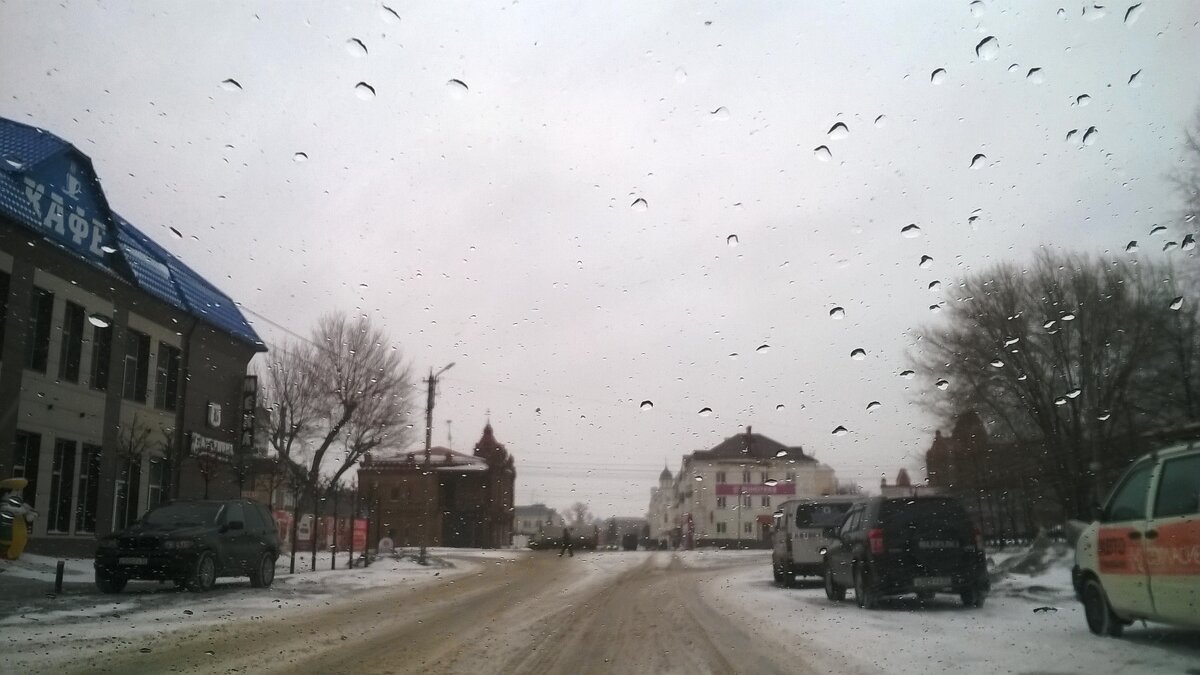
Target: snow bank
column 1030, row 623
column 719, row 557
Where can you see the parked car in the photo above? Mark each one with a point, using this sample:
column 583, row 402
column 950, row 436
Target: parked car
column 800, row 535
column 192, row 543
column 1140, row 559
column 894, row 546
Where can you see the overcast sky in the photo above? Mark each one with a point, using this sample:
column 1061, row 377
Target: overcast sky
column 498, row 224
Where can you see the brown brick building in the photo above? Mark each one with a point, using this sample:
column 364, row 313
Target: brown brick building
column 445, row 498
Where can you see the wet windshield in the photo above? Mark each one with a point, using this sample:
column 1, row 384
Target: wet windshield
column 505, row 328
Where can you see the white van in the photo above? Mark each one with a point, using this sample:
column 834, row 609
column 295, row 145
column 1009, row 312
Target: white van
column 1141, row 558
column 799, row 535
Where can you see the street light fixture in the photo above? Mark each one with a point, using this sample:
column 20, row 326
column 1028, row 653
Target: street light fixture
column 431, row 389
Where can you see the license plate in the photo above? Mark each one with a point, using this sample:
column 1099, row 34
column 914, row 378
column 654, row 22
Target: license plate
column 931, row 582
column 937, row 543
column 133, row 561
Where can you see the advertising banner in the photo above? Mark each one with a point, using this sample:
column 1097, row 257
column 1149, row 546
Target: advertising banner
column 755, row 489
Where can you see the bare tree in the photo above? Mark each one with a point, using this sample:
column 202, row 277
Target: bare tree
column 1059, row 357
column 580, row 514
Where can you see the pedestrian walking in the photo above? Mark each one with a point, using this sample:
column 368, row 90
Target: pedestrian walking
column 566, row 544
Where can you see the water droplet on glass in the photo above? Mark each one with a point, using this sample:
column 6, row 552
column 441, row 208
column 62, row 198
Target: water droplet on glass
column 926, row 262
column 1132, row 14
column 938, row 76
column 822, row 153
column 1094, row 12
column 108, row 249
column 14, row 162
column 979, row 161
column 942, row 384
column 858, row 354
column 300, row 157
column 838, row 131
column 988, row 48
column 1189, row 242
column 1035, row 76
column 639, row 204
column 1083, row 99
column 698, row 478
column 1022, row 378
column 457, row 88
column 175, row 232
column 779, row 407
column 647, row 405
column 1061, row 400
column 881, row 121
column 1074, row 393
column 1089, row 136
column 356, row 47
column 389, row 14
column 364, row 91
column 840, row 431
column 720, row 114
column 1049, row 324
column 705, row 412
column 1061, row 12
column 144, row 650
column 732, row 240
column 1131, row 247
column 1014, row 67
column 1157, row 228
column 907, row 374
column 762, row 349
column 770, row 482
column 781, row 453
column 977, row 8
column 837, row 313
column 1135, row 79
column 1071, row 134
column 680, row 75
column 231, row 85
column 935, row 285
column 873, row 405
column 935, row 308
column 99, row 321
column 1011, row 341
column 1103, row 417
column 1176, row 303
column 910, row 231
column 733, row 355
column 997, row 363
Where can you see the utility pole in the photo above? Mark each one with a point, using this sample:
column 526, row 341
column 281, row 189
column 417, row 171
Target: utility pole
column 430, row 390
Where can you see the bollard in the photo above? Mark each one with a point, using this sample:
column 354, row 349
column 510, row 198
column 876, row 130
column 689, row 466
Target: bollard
column 58, row 575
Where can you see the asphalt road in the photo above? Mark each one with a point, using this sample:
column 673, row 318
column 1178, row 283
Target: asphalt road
column 539, row 614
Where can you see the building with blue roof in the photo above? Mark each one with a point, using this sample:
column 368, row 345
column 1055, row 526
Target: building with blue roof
column 122, row 370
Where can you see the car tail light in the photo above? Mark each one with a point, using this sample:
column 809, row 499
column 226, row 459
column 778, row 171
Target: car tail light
column 875, row 538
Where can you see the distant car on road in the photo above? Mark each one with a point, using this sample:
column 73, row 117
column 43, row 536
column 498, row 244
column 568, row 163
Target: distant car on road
column 192, row 543
column 1141, row 558
column 894, row 546
column 800, row 535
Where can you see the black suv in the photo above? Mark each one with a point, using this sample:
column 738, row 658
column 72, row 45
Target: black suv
column 192, row 543
column 893, row 546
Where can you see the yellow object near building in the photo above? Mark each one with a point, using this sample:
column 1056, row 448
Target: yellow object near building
column 15, row 516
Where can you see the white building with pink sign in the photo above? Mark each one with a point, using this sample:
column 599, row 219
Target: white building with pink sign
column 727, row 495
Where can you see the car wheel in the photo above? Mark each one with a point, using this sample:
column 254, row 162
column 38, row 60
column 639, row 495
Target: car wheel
column 833, row 590
column 864, row 595
column 777, row 573
column 1099, row 614
column 204, row 574
column 109, row 582
column 264, row 572
column 973, row 597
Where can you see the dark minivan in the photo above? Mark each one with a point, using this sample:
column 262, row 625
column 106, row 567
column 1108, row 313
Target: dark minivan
column 192, row 543
column 894, row 546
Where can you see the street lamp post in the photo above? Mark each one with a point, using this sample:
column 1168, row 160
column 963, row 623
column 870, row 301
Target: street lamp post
column 430, row 389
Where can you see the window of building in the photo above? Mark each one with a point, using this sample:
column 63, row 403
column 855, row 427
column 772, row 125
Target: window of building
column 766, row 476
column 26, row 454
column 62, row 479
column 720, row 528
column 137, row 366
column 394, row 494
column 721, row 502
column 71, row 350
column 89, row 488
column 745, row 476
column 166, row 380
column 746, row 501
column 4, row 277
column 154, row 488
column 128, row 484
column 790, row 475
column 766, row 500
column 720, row 476
column 101, row 353
column 37, row 343
column 747, row 527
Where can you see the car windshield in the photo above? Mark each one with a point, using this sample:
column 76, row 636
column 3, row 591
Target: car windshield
column 183, row 514
column 505, row 328
column 820, row 515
